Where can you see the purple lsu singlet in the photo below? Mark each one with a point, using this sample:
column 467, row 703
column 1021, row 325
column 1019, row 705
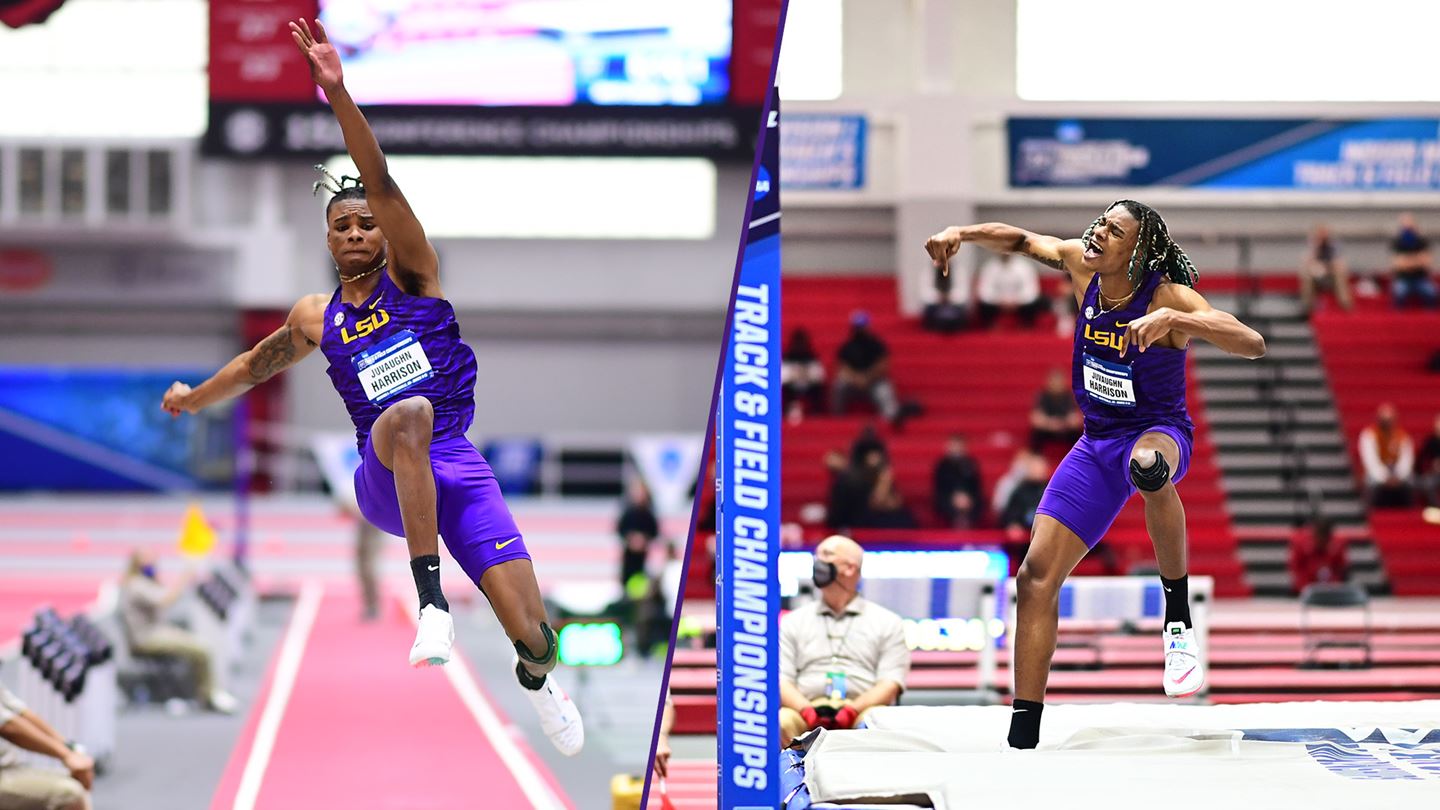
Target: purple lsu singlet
column 395, row 346
column 1121, row 395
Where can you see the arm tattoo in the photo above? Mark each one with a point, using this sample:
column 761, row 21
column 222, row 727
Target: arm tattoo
column 1023, row 246
column 272, row 356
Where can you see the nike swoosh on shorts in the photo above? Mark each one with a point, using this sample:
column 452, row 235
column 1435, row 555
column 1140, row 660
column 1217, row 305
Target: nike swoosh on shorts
column 499, row 546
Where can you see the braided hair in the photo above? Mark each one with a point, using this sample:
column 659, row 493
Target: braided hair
column 341, row 188
column 1154, row 250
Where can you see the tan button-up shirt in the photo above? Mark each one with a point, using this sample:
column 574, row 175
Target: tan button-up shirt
column 865, row 641
column 142, row 607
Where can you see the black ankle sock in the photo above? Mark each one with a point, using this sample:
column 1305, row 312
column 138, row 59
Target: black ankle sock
column 526, row 679
column 1025, row 723
column 1177, row 600
column 426, row 571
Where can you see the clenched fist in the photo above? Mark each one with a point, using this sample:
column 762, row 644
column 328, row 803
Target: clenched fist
column 176, row 400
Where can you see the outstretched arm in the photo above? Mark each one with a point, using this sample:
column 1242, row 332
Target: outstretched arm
column 1001, row 238
column 411, row 253
column 1186, row 314
column 284, row 348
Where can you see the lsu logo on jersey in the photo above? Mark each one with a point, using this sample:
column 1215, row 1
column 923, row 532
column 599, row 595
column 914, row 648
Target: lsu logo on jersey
column 1103, row 338
column 366, row 326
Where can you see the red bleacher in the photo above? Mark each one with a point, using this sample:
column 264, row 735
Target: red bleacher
column 691, row 786
column 982, row 384
column 1375, row 355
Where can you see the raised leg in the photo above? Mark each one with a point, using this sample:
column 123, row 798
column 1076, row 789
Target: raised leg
column 401, row 437
column 1164, row 513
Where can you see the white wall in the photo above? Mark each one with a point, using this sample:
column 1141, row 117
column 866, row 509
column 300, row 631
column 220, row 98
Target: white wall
column 273, row 207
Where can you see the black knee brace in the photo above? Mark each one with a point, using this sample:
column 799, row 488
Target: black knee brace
column 545, row 662
column 545, row 659
column 1152, row 478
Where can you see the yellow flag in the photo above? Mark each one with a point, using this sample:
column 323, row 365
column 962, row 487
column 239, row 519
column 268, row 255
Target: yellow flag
column 197, row 537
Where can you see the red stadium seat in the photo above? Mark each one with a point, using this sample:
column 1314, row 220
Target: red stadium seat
column 1375, row 355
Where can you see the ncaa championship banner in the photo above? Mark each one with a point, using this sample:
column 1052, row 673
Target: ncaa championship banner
column 823, row 152
column 747, row 480
column 1389, row 154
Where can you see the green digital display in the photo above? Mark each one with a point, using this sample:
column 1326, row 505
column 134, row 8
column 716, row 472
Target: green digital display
column 591, row 644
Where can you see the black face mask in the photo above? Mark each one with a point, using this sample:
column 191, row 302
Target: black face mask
column 825, row 573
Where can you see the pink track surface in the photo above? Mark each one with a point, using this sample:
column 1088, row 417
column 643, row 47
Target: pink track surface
column 363, row 729
column 21, row 597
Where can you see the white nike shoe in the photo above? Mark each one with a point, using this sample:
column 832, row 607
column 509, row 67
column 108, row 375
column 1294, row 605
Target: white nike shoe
column 433, row 638
column 1184, row 674
column 559, row 718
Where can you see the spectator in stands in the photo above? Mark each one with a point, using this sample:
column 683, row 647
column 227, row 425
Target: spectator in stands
column 1018, row 516
column 1428, row 470
column 368, row 546
column 868, row 441
column 887, row 509
column 637, row 528
column 1011, row 479
column 840, row 655
column 654, row 595
column 849, row 493
column 863, row 367
column 1322, row 269
column 802, row 376
column 1318, row 557
column 662, row 739
column 1388, row 454
column 946, row 299
column 1411, row 268
column 26, row 788
column 1065, row 307
column 1009, row 284
column 1056, row 418
column 957, row 485
column 143, row 604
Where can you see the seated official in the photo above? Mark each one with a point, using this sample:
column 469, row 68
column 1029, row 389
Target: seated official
column 143, row 603
column 24, row 788
column 841, row 655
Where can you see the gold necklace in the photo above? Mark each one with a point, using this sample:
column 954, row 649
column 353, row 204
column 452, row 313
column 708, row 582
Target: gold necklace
column 348, row 279
column 1115, row 304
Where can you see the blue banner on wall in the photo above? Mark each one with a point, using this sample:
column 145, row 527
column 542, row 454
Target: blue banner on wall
column 823, row 151
column 94, row 429
column 1394, row 154
column 747, row 599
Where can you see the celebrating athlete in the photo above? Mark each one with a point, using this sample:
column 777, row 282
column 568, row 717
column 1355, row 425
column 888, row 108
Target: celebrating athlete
column 1138, row 313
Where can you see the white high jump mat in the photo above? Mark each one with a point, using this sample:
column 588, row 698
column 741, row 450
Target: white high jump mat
column 1309, row 755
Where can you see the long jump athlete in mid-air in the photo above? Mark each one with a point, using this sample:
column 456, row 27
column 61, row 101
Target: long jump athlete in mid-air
column 408, row 381
column 1138, row 313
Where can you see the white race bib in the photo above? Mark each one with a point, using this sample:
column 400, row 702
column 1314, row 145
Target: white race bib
column 1109, row 383
column 391, row 366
